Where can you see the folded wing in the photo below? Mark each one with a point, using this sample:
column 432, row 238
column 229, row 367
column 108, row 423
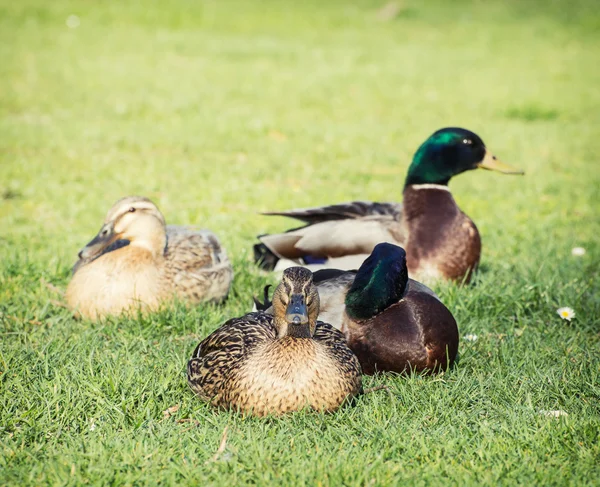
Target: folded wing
column 197, row 264
column 337, row 230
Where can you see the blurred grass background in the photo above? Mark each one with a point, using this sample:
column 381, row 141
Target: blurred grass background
column 220, row 109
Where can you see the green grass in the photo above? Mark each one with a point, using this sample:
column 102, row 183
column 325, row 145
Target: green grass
column 220, row 109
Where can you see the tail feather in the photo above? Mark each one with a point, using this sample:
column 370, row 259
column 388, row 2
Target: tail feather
column 266, row 304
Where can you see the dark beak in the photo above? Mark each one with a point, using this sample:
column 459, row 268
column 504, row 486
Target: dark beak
column 296, row 312
column 94, row 248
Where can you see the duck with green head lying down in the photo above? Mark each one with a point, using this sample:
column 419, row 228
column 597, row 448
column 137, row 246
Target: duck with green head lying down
column 392, row 323
column 278, row 362
column 441, row 242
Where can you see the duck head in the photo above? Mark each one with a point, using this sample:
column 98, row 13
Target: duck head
column 449, row 152
column 133, row 219
column 380, row 282
column 296, row 304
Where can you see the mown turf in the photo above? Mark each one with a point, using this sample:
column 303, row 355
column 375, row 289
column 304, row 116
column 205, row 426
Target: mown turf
column 220, row 109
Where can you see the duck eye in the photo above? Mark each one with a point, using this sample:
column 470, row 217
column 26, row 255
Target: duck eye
column 467, row 141
column 131, row 210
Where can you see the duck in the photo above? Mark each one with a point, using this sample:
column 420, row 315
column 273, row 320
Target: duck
column 275, row 363
column 392, row 323
column 137, row 262
column 441, row 241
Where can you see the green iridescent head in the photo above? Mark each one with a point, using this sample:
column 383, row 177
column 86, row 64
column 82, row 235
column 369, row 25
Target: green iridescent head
column 449, row 152
column 379, row 283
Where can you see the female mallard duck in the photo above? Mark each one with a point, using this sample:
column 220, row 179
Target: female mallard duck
column 135, row 262
column 276, row 363
column 391, row 322
column 440, row 240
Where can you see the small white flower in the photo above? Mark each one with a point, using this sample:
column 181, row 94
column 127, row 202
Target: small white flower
column 73, row 22
column 92, row 426
column 577, row 251
column 553, row 414
column 470, row 338
column 566, row 313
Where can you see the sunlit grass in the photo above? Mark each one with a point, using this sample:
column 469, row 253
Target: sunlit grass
column 219, row 110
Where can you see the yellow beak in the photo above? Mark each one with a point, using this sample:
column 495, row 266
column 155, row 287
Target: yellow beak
column 490, row 162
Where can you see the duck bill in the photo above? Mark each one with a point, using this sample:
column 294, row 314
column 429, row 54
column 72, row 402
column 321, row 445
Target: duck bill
column 96, row 246
column 296, row 312
column 493, row 164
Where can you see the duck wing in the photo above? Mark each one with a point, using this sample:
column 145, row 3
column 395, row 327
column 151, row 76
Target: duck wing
column 342, row 211
column 336, row 231
column 199, row 248
column 197, row 264
column 214, row 357
column 333, row 285
column 336, row 345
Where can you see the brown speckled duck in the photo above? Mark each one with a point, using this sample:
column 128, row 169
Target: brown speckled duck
column 441, row 242
column 136, row 262
column 392, row 323
column 276, row 363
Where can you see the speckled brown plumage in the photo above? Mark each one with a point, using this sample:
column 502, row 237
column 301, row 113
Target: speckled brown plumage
column 196, row 265
column 248, row 365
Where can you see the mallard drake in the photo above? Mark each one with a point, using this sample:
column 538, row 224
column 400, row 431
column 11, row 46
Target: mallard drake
column 276, row 363
column 440, row 240
column 136, row 262
column 392, row 323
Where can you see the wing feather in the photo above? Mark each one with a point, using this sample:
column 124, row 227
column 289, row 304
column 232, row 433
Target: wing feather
column 342, row 211
column 337, row 230
column 197, row 264
column 333, row 238
column 220, row 352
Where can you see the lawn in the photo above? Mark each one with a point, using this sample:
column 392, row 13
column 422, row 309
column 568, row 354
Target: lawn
column 218, row 110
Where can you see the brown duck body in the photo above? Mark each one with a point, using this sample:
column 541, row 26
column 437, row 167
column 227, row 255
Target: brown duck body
column 245, row 366
column 441, row 241
column 99, row 289
column 417, row 333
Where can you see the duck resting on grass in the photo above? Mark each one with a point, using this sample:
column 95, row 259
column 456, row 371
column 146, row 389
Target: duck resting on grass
column 136, row 262
column 441, row 242
column 392, row 323
column 276, row 363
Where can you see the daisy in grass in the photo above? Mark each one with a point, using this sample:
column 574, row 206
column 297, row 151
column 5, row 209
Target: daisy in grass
column 470, row 338
column 566, row 313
